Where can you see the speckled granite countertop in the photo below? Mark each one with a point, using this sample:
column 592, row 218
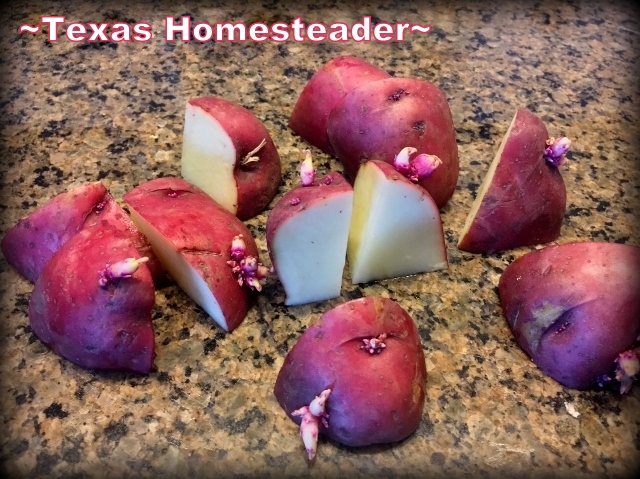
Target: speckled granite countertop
column 74, row 113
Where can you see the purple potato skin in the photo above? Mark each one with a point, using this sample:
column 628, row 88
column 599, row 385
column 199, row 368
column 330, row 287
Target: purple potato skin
column 573, row 308
column 31, row 243
column 375, row 398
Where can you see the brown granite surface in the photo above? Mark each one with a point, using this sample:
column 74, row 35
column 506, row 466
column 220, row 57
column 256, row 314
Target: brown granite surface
column 77, row 112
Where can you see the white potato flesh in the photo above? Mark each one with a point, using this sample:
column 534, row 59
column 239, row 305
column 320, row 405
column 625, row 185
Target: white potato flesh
column 395, row 229
column 187, row 277
column 310, row 250
column 209, row 157
column 486, row 182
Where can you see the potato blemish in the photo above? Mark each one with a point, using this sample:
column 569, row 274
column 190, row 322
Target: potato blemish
column 543, row 318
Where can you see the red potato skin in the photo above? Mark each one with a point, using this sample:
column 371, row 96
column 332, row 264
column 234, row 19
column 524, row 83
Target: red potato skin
column 106, row 328
column 375, row 398
column 109, row 211
column 257, row 182
column 31, row 243
column 378, row 119
column 202, row 231
column 574, row 307
column 526, row 200
column 307, row 196
column 334, row 80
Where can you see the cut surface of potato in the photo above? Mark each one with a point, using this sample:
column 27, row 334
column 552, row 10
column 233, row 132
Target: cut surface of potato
column 486, row 181
column 395, row 227
column 192, row 235
column 228, row 153
column 209, row 157
column 187, row 277
column 522, row 198
column 308, row 239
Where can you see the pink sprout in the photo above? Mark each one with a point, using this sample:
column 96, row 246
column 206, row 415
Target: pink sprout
column 252, row 282
column 309, row 428
column 375, row 345
column 563, row 327
column 247, row 270
column 401, row 161
column 307, row 172
column 328, row 180
column 121, row 269
column 627, row 369
column 556, row 149
column 421, row 167
column 295, row 201
column 238, row 248
column 249, row 265
column 310, row 423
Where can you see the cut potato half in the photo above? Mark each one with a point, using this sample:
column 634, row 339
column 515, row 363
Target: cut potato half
column 307, row 235
column 395, row 227
column 522, row 199
column 192, row 236
column 176, row 264
column 228, row 153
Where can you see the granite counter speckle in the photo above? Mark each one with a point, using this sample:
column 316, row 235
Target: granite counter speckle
column 78, row 112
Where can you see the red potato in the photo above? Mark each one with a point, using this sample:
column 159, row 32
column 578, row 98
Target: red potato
column 378, row 119
column 31, row 243
column 522, row 199
column 228, row 153
column 109, row 210
column 193, row 235
column 395, row 227
column 307, row 233
column 334, row 80
column 92, row 304
column 368, row 354
column 574, row 309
